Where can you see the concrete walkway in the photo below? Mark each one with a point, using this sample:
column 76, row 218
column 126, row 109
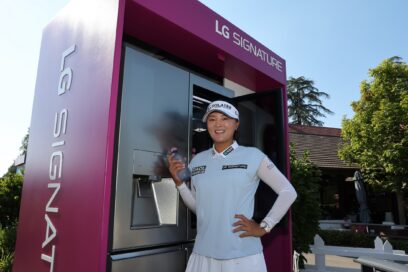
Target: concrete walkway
column 333, row 263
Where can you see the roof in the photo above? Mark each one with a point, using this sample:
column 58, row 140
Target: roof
column 321, row 142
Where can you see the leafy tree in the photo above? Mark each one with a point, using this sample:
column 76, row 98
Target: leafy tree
column 10, row 194
column 305, row 177
column 376, row 137
column 305, row 105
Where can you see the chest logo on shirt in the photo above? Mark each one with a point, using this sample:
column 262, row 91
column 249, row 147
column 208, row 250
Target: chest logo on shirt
column 234, row 166
column 198, row 170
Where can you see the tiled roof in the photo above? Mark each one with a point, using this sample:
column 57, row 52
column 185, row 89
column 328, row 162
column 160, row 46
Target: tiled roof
column 321, row 142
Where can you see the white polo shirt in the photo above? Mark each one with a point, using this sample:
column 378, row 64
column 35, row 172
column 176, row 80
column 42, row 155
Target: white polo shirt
column 225, row 184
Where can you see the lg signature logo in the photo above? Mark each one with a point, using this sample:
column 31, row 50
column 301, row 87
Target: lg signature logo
column 56, row 162
column 249, row 46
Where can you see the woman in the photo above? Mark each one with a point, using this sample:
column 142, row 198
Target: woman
column 224, row 181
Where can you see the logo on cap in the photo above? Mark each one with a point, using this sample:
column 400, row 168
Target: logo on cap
column 223, row 107
column 219, row 105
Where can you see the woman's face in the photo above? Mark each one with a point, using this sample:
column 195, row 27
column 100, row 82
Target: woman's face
column 221, row 127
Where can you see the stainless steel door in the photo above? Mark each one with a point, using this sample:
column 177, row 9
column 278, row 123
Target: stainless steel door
column 154, row 117
column 164, row 259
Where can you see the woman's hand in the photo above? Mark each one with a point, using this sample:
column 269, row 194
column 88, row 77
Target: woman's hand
column 249, row 227
column 174, row 167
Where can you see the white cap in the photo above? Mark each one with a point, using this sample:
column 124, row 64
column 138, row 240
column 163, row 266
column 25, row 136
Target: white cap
column 223, row 107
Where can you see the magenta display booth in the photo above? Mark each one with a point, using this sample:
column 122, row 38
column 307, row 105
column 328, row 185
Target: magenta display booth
column 119, row 82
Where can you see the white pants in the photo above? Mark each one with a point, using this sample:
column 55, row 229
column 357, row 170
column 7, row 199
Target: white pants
column 253, row 263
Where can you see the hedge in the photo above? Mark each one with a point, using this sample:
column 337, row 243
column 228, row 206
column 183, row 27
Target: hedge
column 356, row 239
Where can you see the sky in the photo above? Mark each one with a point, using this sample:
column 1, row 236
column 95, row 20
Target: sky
column 334, row 43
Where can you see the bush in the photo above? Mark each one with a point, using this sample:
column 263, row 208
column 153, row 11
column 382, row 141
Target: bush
column 356, row 239
column 8, row 237
column 346, row 238
column 6, row 262
column 7, row 244
column 305, row 177
column 10, row 195
column 399, row 244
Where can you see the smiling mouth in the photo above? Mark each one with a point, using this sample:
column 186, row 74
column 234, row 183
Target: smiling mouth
column 219, row 131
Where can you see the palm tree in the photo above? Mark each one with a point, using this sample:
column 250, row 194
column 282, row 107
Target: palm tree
column 305, row 105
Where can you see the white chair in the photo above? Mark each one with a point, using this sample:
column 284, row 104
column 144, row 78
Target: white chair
column 295, row 261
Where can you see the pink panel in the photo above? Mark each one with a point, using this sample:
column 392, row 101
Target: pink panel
column 277, row 251
column 193, row 32
column 66, row 209
column 74, row 203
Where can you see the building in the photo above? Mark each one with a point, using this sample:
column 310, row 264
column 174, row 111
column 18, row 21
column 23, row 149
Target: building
column 337, row 194
column 322, row 143
column 19, row 163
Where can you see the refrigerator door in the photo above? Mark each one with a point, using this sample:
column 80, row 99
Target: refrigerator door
column 262, row 126
column 164, row 259
column 154, row 117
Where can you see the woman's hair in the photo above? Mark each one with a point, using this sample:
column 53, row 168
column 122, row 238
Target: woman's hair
column 232, row 102
column 236, row 135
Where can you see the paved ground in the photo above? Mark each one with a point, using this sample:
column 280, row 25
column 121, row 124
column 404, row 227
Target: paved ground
column 334, row 264
column 332, row 260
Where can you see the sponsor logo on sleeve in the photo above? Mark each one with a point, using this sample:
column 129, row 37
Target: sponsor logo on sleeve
column 270, row 164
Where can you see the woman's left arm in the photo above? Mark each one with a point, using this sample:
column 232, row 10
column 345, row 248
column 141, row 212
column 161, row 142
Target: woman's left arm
column 271, row 175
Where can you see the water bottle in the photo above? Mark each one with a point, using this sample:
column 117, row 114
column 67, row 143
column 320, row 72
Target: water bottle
column 183, row 174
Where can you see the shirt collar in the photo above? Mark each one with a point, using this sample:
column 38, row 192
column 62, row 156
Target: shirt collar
column 226, row 151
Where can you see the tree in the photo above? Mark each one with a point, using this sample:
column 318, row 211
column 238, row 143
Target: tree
column 10, row 194
column 305, row 105
column 376, row 137
column 305, row 177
